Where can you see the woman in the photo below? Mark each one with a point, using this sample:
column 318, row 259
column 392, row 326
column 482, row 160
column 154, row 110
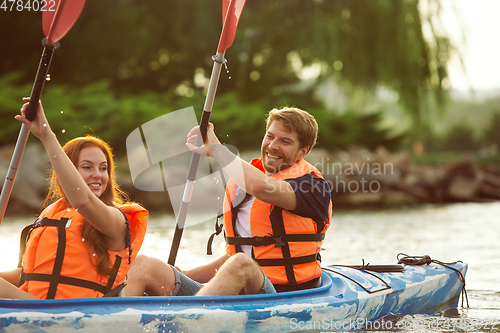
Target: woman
column 83, row 244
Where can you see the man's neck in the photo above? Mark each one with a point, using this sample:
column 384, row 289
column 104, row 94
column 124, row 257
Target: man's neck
column 269, row 174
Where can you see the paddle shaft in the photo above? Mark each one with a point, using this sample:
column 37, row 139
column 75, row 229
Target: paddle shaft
column 14, row 165
column 36, row 92
column 40, row 78
column 195, row 160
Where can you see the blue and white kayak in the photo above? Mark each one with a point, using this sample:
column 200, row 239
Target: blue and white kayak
column 348, row 299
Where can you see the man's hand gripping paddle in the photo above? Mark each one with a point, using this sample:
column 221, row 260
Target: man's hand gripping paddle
column 231, row 12
column 56, row 25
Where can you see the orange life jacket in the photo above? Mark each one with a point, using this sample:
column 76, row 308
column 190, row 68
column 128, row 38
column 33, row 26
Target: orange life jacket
column 57, row 260
column 285, row 245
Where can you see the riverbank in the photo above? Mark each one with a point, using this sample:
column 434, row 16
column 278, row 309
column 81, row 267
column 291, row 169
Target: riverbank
column 358, row 179
column 363, row 179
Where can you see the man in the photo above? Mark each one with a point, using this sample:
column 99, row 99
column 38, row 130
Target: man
column 277, row 209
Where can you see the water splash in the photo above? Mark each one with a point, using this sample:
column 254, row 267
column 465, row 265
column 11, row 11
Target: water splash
column 47, row 77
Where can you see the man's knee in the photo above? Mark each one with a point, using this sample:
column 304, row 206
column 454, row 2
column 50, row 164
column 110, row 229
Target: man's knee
column 242, row 263
column 141, row 260
column 151, row 275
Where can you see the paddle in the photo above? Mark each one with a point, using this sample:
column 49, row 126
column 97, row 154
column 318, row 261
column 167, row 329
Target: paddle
column 231, row 11
column 56, row 25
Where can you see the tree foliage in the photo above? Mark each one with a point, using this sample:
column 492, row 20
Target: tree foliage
column 135, row 49
column 460, row 138
column 492, row 134
column 159, row 45
column 94, row 109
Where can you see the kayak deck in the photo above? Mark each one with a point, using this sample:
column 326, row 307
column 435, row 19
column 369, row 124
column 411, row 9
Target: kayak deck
column 347, row 299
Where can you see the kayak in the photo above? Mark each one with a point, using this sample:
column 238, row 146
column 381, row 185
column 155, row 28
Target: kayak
column 349, row 298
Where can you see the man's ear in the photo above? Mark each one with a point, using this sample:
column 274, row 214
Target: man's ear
column 303, row 152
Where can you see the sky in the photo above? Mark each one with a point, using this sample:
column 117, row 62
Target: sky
column 481, row 48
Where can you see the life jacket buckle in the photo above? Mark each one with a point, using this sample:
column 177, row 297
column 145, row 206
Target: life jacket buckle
column 279, row 241
column 38, row 223
column 262, row 241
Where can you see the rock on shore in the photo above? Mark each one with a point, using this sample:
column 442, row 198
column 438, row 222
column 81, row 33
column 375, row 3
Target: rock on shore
column 358, row 179
column 30, row 186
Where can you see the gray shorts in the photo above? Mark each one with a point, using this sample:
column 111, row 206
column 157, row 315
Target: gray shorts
column 185, row 286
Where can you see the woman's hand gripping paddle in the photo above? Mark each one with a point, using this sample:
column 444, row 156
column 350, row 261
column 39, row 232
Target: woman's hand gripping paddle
column 231, row 12
column 56, row 25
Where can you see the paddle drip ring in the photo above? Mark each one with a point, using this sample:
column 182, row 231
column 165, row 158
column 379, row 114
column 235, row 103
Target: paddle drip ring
column 214, row 58
column 44, row 43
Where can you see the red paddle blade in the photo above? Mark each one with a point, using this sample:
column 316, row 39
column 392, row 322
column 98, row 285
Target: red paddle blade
column 231, row 12
column 58, row 22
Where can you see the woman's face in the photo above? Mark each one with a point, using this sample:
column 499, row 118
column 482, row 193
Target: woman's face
column 93, row 167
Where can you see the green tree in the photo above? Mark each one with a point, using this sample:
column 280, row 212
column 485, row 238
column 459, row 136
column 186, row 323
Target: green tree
column 152, row 45
column 492, row 134
column 460, row 138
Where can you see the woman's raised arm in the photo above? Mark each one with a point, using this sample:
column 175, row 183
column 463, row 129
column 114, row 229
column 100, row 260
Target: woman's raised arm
column 108, row 220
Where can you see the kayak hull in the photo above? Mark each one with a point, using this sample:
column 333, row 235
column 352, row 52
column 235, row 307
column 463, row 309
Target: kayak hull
column 348, row 299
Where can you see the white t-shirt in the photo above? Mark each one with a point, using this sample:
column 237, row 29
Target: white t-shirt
column 242, row 227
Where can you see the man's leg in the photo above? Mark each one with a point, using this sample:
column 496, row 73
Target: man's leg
column 239, row 274
column 151, row 276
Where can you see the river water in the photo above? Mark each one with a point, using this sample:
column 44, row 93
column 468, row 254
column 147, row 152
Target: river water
column 469, row 232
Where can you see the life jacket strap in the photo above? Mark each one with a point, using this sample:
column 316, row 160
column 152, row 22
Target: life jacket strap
column 311, row 284
column 289, row 261
column 22, row 243
column 75, row 282
column 218, row 230
column 279, row 241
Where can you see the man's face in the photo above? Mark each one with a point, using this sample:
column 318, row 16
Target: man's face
column 280, row 148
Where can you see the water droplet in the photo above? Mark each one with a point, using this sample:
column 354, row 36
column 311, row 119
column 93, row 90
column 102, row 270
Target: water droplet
column 78, row 189
column 44, row 125
column 64, row 131
column 218, row 198
column 227, row 70
column 83, row 239
column 47, row 77
column 62, row 111
column 93, row 254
